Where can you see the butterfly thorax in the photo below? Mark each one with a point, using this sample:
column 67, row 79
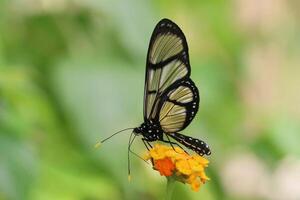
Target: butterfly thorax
column 151, row 131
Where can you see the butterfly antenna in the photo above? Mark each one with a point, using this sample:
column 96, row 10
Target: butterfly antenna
column 99, row 143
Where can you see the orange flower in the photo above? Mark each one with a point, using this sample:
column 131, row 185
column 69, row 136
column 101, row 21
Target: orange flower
column 177, row 163
column 164, row 166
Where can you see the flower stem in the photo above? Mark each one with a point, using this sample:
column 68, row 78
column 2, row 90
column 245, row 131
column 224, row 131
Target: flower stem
column 170, row 187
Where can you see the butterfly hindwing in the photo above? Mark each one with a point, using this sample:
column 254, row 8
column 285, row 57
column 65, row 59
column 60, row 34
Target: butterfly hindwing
column 178, row 106
column 167, row 62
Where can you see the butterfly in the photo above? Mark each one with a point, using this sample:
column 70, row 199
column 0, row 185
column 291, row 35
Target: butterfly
column 171, row 98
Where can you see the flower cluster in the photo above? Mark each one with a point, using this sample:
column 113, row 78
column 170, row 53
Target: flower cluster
column 176, row 162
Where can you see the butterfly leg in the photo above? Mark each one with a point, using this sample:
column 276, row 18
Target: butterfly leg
column 129, row 149
column 173, row 143
column 147, row 144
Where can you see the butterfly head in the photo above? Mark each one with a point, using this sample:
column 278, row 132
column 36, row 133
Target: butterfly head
column 137, row 130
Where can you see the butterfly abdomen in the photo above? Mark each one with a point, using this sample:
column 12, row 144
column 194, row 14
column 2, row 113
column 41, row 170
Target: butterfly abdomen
column 194, row 144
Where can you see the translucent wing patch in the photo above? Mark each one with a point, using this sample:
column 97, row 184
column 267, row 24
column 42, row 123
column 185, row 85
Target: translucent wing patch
column 166, row 45
column 178, row 106
column 159, row 80
column 167, row 62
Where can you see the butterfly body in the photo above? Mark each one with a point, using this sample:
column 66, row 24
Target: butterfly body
column 171, row 99
column 150, row 131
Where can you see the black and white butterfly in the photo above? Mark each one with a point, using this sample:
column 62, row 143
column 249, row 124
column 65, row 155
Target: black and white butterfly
column 171, row 99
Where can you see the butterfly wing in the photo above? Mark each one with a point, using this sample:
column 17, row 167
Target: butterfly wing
column 167, row 62
column 178, row 106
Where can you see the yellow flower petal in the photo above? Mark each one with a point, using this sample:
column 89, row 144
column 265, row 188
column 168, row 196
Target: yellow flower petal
column 157, row 153
column 146, row 156
column 195, row 185
column 196, row 167
column 201, row 160
column 183, row 167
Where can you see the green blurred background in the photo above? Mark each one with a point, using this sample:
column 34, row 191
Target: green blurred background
column 72, row 72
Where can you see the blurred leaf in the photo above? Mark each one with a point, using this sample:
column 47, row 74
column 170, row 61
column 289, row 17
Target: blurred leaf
column 18, row 168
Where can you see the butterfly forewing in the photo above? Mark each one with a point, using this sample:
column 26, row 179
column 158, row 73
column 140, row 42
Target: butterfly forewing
column 178, row 106
column 167, row 62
